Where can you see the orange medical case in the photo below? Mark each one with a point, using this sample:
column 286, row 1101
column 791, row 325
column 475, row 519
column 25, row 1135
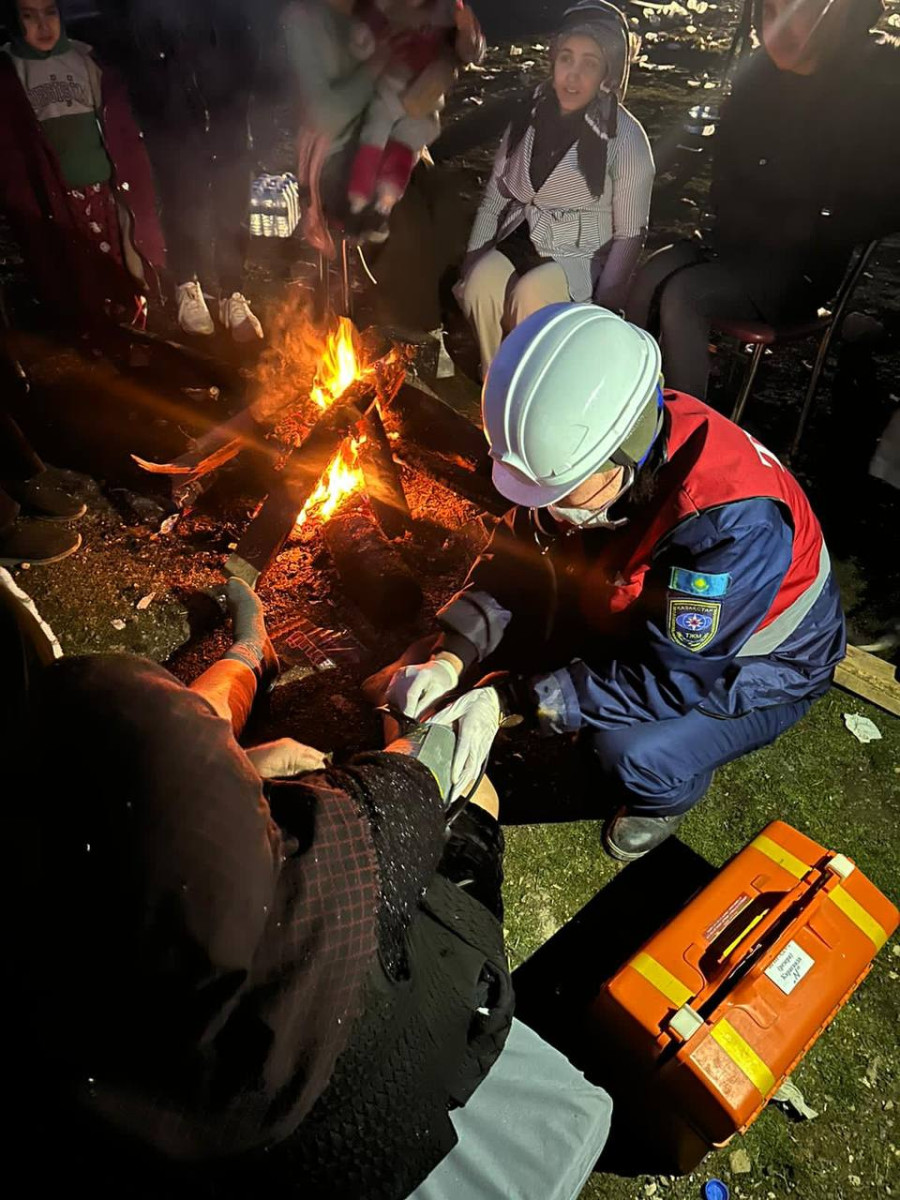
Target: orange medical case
column 709, row 1017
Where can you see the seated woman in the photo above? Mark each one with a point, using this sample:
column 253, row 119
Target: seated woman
column 800, row 177
column 75, row 182
column 227, row 984
column 565, row 211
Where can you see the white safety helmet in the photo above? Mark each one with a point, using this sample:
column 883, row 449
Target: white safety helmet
column 573, row 390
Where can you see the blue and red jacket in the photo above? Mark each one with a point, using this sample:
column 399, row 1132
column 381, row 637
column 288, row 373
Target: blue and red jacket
column 716, row 594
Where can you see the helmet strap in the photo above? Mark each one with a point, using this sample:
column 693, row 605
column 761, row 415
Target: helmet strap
column 621, row 457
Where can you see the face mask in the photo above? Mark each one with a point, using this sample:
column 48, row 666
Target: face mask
column 593, row 518
column 585, row 518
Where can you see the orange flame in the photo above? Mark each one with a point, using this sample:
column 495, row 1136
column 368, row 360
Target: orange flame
column 342, row 477
column 339, row 366
column 338, row 369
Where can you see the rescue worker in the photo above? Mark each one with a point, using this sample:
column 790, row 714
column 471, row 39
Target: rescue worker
column 661, row 587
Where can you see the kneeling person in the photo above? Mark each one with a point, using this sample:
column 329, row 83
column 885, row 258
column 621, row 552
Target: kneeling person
column 661, row 586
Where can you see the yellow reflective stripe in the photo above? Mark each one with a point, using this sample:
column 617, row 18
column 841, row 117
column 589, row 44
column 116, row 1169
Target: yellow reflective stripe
column 854, row 910
column 664, row 981
column 744, row 1057
column 778, row 854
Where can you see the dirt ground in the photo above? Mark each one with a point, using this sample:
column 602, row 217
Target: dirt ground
column 134, row 588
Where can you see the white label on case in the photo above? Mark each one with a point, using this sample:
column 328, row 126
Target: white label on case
column 789, row 967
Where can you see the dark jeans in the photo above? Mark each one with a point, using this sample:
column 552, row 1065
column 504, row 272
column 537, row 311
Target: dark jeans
column 203, row 178
column 662, row 768
column 428, row 232
column 9, row 510
column 429, row 228
column 681, row 290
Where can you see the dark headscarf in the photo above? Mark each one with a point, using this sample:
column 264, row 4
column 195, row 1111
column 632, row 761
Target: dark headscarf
column 593, row 128
column 188, row 971
column 9, row 15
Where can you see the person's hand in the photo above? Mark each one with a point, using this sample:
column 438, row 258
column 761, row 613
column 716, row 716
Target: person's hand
column 415, row 689
column 285, row 758
column 476, row 718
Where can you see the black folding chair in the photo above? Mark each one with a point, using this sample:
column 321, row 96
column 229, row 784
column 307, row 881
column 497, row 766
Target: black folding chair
column 823, row 326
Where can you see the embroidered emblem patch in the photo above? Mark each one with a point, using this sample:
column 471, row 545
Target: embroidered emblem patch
column 695, row 584
column 693, row 623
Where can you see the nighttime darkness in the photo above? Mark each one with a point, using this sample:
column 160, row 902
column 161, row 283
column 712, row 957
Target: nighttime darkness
column 450, row 598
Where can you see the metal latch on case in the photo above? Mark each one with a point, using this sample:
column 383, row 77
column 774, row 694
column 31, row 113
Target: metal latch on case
column 686, row 1022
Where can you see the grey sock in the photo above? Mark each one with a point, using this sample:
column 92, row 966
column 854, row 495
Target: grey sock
column 251, row 641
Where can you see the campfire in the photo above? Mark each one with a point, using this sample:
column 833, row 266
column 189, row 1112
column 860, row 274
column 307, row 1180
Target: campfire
column 328, row 448
column 339, row 369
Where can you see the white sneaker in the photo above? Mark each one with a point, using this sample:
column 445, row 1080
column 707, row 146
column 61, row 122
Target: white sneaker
column 193, row 315
column 237, row 315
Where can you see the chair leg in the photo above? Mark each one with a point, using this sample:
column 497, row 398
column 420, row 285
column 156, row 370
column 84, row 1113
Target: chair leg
column 818, row 367
column 747, row 386
column 346, row 291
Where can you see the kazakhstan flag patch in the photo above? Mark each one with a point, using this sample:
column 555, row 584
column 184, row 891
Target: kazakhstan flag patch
column 713, row 587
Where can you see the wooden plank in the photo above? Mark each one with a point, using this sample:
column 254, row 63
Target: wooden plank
column 437, row 439
column 383, row 485
column 294, row 484
column 209, row 451
column 372, row 572
column 870, row 677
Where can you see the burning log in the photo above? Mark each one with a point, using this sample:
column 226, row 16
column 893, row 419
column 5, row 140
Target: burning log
column 211, row 450
column 294, row 484
column 371, row 570
column 175, row 356
column 382, row 479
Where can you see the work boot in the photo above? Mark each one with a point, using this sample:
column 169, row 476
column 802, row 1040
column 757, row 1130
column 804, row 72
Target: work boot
column 236, row 314
column 42, row 497
column 37, row 543
column 627, row 837
column 193, row 314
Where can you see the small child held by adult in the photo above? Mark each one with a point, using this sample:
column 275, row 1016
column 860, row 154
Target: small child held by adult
column 415, row 47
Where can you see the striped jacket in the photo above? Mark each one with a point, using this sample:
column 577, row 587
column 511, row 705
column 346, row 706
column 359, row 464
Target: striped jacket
column 567, row 222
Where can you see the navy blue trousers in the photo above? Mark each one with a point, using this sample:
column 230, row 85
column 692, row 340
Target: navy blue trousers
column 662, row 768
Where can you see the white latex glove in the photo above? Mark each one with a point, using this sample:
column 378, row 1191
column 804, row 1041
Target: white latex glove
column 476, row 717
column 285, row 758
column 413, row 690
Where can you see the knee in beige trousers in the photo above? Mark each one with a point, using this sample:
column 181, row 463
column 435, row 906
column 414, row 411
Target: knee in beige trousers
column 496, row 299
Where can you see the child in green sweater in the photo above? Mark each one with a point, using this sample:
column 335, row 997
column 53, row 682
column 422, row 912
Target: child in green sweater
column 74, row 180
